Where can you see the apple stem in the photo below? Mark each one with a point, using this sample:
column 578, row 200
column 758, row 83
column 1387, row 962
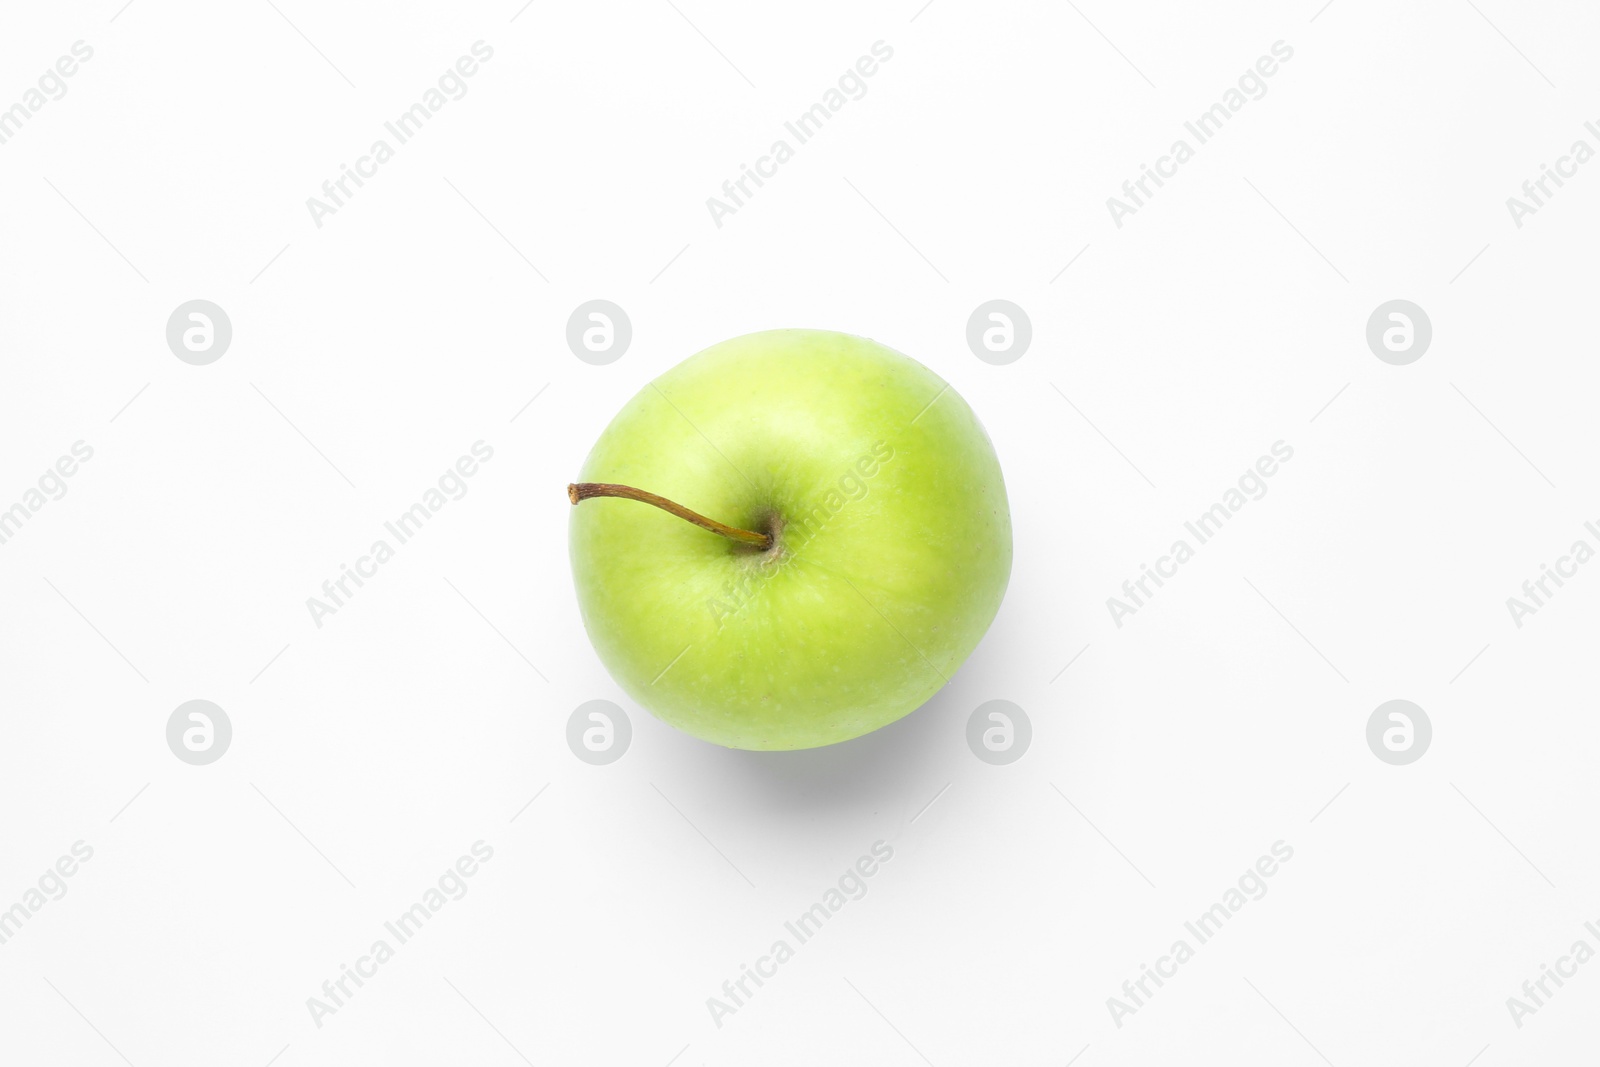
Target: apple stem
column 580, row 491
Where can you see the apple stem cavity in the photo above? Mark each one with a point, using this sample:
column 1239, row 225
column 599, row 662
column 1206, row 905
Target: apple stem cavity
column 577, row 492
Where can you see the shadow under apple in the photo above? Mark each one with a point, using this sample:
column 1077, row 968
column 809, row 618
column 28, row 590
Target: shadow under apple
column 849, row 782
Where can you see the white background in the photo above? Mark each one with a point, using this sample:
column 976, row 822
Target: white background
column 1227, row 314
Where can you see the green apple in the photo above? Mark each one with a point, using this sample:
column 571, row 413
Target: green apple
column 829, row 540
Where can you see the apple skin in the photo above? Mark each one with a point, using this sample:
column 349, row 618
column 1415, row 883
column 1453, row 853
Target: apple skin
column 892, row 531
